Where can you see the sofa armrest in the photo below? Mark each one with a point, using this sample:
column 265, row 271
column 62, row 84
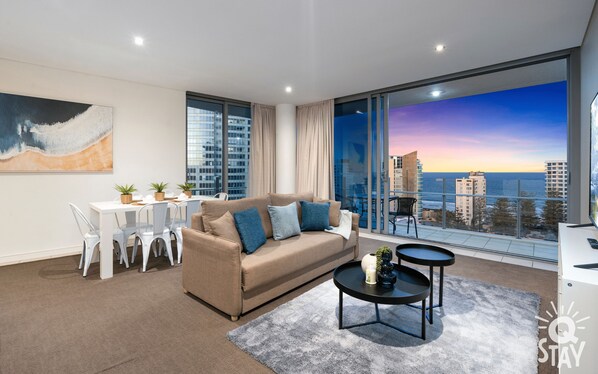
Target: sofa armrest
column 212, row 270
column 355, row 223
column 355, row 227
column 197, row 222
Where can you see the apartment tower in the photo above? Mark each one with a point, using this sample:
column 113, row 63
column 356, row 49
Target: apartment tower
column 466, row 206
column 555, row 175
column 406, row 174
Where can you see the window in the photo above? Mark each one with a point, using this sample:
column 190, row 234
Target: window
column 210, row 124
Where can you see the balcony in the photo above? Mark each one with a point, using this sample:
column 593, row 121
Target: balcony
column 524, row 247
column 522, row 226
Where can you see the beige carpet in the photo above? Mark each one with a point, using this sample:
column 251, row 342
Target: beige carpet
column 52, row 320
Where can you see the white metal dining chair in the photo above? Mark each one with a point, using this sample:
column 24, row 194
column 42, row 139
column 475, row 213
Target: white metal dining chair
column 177, row 225
column 91, row 238
column 157, row 231
column 128, row 229
column 221, row 196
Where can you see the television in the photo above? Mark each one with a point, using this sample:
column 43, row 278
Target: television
column 594, row 161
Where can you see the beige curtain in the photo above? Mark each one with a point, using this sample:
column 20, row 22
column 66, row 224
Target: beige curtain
column 262, row 158
column 314, row 149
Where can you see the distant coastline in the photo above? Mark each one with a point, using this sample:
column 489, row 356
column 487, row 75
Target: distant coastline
column 497, row 183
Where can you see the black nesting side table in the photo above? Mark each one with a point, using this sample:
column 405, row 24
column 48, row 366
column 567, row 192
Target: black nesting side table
column 428, row 255
column 411, row 286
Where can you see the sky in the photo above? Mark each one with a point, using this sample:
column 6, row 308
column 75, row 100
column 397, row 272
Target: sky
column 505, row 131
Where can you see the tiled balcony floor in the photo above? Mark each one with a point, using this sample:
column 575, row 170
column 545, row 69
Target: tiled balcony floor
column 502, row 244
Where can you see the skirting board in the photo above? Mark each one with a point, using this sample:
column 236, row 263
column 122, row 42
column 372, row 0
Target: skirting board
column 48, row 254
column 40, row 255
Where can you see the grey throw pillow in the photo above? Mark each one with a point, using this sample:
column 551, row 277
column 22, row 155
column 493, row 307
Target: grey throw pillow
column 284, row 221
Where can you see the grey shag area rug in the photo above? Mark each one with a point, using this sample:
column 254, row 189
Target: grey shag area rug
column 482, row 328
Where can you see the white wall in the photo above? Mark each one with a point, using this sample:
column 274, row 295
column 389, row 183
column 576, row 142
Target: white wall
column 148, row 146
column 589, row 88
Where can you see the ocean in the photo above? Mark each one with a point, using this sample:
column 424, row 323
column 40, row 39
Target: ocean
column 498, row 184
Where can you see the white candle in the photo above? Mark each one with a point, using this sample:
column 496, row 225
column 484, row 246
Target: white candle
column 370, row 274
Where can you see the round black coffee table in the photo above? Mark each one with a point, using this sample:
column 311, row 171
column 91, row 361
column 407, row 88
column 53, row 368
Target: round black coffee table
column 428, row 255
column 411, row 286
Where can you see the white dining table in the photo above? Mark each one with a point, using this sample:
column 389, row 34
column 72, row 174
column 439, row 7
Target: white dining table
column 102, row 216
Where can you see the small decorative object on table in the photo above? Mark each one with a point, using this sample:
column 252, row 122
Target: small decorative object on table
column 186, row 188
column 370, row 274
column 368, row 259
column 126, row 193
column 159, row 188
column 385, row 268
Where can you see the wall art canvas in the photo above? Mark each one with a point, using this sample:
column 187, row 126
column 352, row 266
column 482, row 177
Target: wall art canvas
column 44, row 135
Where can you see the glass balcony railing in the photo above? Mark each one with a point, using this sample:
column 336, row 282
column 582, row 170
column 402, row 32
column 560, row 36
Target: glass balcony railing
column 520, row 216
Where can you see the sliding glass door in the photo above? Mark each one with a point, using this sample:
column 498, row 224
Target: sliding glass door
column 360, row 160
column 479, row 161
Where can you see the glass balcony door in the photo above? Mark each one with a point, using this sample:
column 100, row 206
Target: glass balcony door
column 360, row 160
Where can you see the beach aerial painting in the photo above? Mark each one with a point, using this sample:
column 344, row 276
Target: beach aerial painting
column 43, row 135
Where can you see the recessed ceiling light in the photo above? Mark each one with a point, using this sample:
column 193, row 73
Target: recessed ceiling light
column 138, row 40
column 436, row 93
column 440, row 48
column 288, row 89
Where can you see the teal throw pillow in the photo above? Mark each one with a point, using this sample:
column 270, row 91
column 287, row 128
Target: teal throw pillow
column 314, row 216
column 251, row 232
column 285, row 222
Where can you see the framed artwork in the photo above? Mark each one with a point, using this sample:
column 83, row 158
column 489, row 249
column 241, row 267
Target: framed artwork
column 44, row 135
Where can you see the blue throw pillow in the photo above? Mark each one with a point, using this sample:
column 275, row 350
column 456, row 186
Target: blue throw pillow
column 314, row 216
column 251, row 232
column 285, row 222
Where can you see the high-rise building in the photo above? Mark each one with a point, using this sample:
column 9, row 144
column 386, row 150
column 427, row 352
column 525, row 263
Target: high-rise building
column 204, row 152
column 467, row 206
column 406, row 174
column 555, row 175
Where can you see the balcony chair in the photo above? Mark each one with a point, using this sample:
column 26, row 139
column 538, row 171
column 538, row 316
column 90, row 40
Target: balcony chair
column 404, row 209
column 91, row 239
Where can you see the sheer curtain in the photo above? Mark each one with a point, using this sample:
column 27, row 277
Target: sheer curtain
column 314, row 149
column 262, row 157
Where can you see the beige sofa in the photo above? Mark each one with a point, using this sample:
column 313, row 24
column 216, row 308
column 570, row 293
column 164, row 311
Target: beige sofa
column 216, row 271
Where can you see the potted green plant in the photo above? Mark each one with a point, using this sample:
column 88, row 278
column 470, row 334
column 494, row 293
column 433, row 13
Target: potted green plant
column 186, row 188
column 159, row 188
column 126, row 192
column 380, row 252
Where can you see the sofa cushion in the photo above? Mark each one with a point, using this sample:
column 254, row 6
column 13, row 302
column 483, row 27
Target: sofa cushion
column 252, row 235
column 335, row 210
column 277, row 260
column 316, row 216
column 284, row 221
column 224, row 227
column 214, row 209
column 279, row 199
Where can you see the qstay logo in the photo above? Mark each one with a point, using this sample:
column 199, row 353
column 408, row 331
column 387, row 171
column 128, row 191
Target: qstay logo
column 562, row 328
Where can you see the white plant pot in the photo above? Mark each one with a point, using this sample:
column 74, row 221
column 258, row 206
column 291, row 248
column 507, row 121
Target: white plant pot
column 367, row 260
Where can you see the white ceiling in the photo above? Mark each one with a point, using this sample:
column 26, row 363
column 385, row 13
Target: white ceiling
column 250, row 50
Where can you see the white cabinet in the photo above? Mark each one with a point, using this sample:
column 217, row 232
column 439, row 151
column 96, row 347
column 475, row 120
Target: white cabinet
column 577, row 303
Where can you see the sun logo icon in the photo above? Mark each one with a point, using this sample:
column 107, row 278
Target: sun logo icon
column 562, row 330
